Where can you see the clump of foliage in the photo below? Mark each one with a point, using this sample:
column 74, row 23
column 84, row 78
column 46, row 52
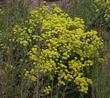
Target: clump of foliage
column 11, row 84
column 96, row 13
column 84, row 9
column 104, row 5
column 103, row 11
column 59, row 51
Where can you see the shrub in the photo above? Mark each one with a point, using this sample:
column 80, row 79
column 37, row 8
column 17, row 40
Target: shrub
column 59, row 52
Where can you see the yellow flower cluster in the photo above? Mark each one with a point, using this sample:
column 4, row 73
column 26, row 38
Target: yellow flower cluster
column 59, row 47
column 47, row 90
column 82, row 83
column 29, row 75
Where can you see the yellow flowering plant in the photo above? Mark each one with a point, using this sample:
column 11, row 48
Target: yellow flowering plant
column 60, row 49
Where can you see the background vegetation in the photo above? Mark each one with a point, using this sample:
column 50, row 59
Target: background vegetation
column 29, row 39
